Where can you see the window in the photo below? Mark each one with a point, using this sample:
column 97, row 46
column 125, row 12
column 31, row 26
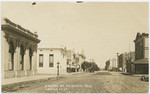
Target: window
column 51, row 60
column 40, row 60
column 67, row 62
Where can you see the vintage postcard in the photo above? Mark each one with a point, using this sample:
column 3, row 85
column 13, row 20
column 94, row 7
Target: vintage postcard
column 74, row 47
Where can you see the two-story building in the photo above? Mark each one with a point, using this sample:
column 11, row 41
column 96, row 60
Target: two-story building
column 140, row 65
column 74, row 61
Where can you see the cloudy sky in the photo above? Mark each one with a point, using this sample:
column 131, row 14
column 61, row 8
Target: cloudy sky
column 100, row 29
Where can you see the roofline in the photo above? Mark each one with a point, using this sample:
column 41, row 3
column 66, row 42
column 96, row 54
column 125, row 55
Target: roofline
column 8, row 26
column 141, row 35
column 7, row 22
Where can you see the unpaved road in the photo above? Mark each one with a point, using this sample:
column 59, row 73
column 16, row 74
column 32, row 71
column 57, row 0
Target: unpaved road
column 100, row 82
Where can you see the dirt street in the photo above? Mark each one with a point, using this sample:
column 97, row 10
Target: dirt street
column 100, row 82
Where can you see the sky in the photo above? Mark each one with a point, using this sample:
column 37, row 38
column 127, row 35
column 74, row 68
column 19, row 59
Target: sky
column 101, row 29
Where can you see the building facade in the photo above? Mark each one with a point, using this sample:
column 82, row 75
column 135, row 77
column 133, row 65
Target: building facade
column 122, row 62
column 52, row 61
column 129, row 59
column 71, row 61
column 82, row 58
column 18, row 50
column 111, row 64
column 74, row 61
column 140, row 65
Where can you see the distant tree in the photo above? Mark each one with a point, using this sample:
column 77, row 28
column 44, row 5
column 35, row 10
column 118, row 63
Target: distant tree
column 89, row 66
column 107, row 65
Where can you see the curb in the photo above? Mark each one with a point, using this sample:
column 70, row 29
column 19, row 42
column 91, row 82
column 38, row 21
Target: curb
column 19, row 85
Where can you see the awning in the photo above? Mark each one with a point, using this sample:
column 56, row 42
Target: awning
column 141, row 61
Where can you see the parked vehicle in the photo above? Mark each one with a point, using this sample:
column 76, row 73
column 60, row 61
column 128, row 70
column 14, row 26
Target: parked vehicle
column 145, row 78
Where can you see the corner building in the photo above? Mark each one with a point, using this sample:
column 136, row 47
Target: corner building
column 141, row 63
column 18, row 50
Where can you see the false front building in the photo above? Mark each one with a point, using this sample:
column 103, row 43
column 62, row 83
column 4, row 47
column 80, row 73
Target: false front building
column 52, row 61
column 18, row 50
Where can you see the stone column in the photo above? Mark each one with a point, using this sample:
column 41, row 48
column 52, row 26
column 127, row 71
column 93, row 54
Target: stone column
column 34, row 62
column 4, row 56
column 26, row 61
column 16, row 62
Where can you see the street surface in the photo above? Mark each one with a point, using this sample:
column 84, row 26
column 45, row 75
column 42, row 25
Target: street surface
column 99, row 82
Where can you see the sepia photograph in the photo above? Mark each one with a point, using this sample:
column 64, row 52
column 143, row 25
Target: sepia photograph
column 74, row 47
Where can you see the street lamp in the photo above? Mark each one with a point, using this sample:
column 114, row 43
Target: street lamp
column 58, row 69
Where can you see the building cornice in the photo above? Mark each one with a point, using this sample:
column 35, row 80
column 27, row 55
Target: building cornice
column 17, row 29
column 139, row 36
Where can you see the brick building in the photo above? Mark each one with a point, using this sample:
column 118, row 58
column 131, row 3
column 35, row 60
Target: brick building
column 140, row 65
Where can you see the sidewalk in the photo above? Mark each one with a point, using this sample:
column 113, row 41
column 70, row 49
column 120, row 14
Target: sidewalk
column 13, row 84
column 140, row 75
column 25, row 79
column 31, row 78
